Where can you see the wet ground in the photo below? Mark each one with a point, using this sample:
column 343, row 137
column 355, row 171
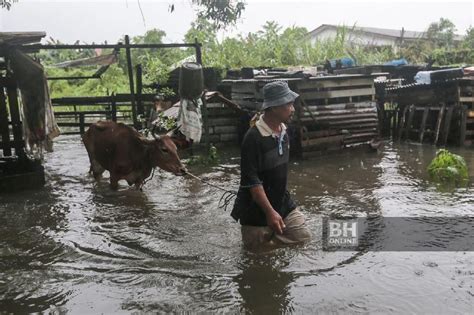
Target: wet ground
column 75, row 246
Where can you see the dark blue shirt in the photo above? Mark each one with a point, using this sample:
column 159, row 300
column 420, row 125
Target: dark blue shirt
column 264, row 161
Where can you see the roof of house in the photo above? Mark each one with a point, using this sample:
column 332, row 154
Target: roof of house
column 378, row 31
column 21, row 38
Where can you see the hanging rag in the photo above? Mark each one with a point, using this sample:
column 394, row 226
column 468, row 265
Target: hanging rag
column 189, row 119
column 39, row 124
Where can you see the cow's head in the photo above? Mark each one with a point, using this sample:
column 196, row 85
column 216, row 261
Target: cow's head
column 165, row 156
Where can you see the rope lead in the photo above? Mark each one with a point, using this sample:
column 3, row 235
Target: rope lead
column 226, row 197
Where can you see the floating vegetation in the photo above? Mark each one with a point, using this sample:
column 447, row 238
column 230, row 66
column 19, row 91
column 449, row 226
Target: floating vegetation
column 449, row 169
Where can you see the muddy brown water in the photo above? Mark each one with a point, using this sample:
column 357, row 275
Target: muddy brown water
column 77, row 247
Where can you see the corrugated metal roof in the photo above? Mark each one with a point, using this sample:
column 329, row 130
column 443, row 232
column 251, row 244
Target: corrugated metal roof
column 379, row 31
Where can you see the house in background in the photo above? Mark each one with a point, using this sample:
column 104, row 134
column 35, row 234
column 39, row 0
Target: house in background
column 369, row 36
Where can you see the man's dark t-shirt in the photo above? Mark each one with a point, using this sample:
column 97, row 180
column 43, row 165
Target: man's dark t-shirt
column 263, row 163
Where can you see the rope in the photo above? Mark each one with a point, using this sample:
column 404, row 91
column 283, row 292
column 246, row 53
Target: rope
column 226, row 197
column 148, row 179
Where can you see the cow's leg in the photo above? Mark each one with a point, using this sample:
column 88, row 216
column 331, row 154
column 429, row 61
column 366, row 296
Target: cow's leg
column 96, row 169
column 114, row 180
column 139, row 184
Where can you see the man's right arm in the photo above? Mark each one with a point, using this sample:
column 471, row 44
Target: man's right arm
column 274, row 220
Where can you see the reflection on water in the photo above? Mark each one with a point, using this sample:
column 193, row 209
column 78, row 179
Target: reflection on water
column 76, row 246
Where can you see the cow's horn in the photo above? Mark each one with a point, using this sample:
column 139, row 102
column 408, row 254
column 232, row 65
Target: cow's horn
column 153, row 133
column 170, row 133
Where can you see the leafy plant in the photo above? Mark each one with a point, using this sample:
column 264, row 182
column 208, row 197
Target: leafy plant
column 448, row 169
column 212, row 158
column 165, row 122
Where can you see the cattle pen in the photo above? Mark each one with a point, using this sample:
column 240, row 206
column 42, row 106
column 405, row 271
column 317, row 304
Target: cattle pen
column 17, row 171
column 348, row 108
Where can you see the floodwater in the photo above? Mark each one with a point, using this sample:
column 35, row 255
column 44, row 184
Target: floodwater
column 77, row 247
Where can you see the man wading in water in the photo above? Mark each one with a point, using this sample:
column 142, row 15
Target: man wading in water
column 263, row 205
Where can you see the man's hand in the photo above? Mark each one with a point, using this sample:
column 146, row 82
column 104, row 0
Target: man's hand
column 275, row 222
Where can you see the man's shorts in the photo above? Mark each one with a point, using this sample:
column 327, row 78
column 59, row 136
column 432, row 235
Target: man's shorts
column 295, row 232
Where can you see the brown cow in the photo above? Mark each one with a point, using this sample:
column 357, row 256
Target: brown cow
column 126, row 154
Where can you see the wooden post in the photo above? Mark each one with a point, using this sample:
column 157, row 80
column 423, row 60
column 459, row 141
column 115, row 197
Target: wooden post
column 411, row 114
column 139, row 75
column 447, row 124
column 7, row 151
column 395, row 118
column 421, row 133
column 15, row 117
column 114, row 108
column 438, row 124
column 197, row 46
column 130, row 80
column 462, row 132
column 75, row 111
column 402, row 123
column 81, row 123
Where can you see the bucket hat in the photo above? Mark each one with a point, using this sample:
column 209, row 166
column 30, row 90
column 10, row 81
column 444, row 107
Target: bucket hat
column 277, row 93
column 159, row 97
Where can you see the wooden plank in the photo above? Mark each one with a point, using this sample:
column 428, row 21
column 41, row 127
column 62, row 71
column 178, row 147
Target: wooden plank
column 223, row 122
column 423, row 124
column 86, row 100
column 318, row 134
column 341, row 111
column 372, row 125
column 15, row 119
column 366, row 130
column 367, row 104
column 362, row 135
column 438, row 124
column 340, row 117
column 320, row 152
column 447, row 124
column 98, row 112
column 331, row 83
column 466, row 99
column 348, row 123
column 338, row 93
column 225, row 129
column 4, row 130
column 323, row 140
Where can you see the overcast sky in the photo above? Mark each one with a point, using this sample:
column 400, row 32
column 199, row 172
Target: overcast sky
column 96, row 21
